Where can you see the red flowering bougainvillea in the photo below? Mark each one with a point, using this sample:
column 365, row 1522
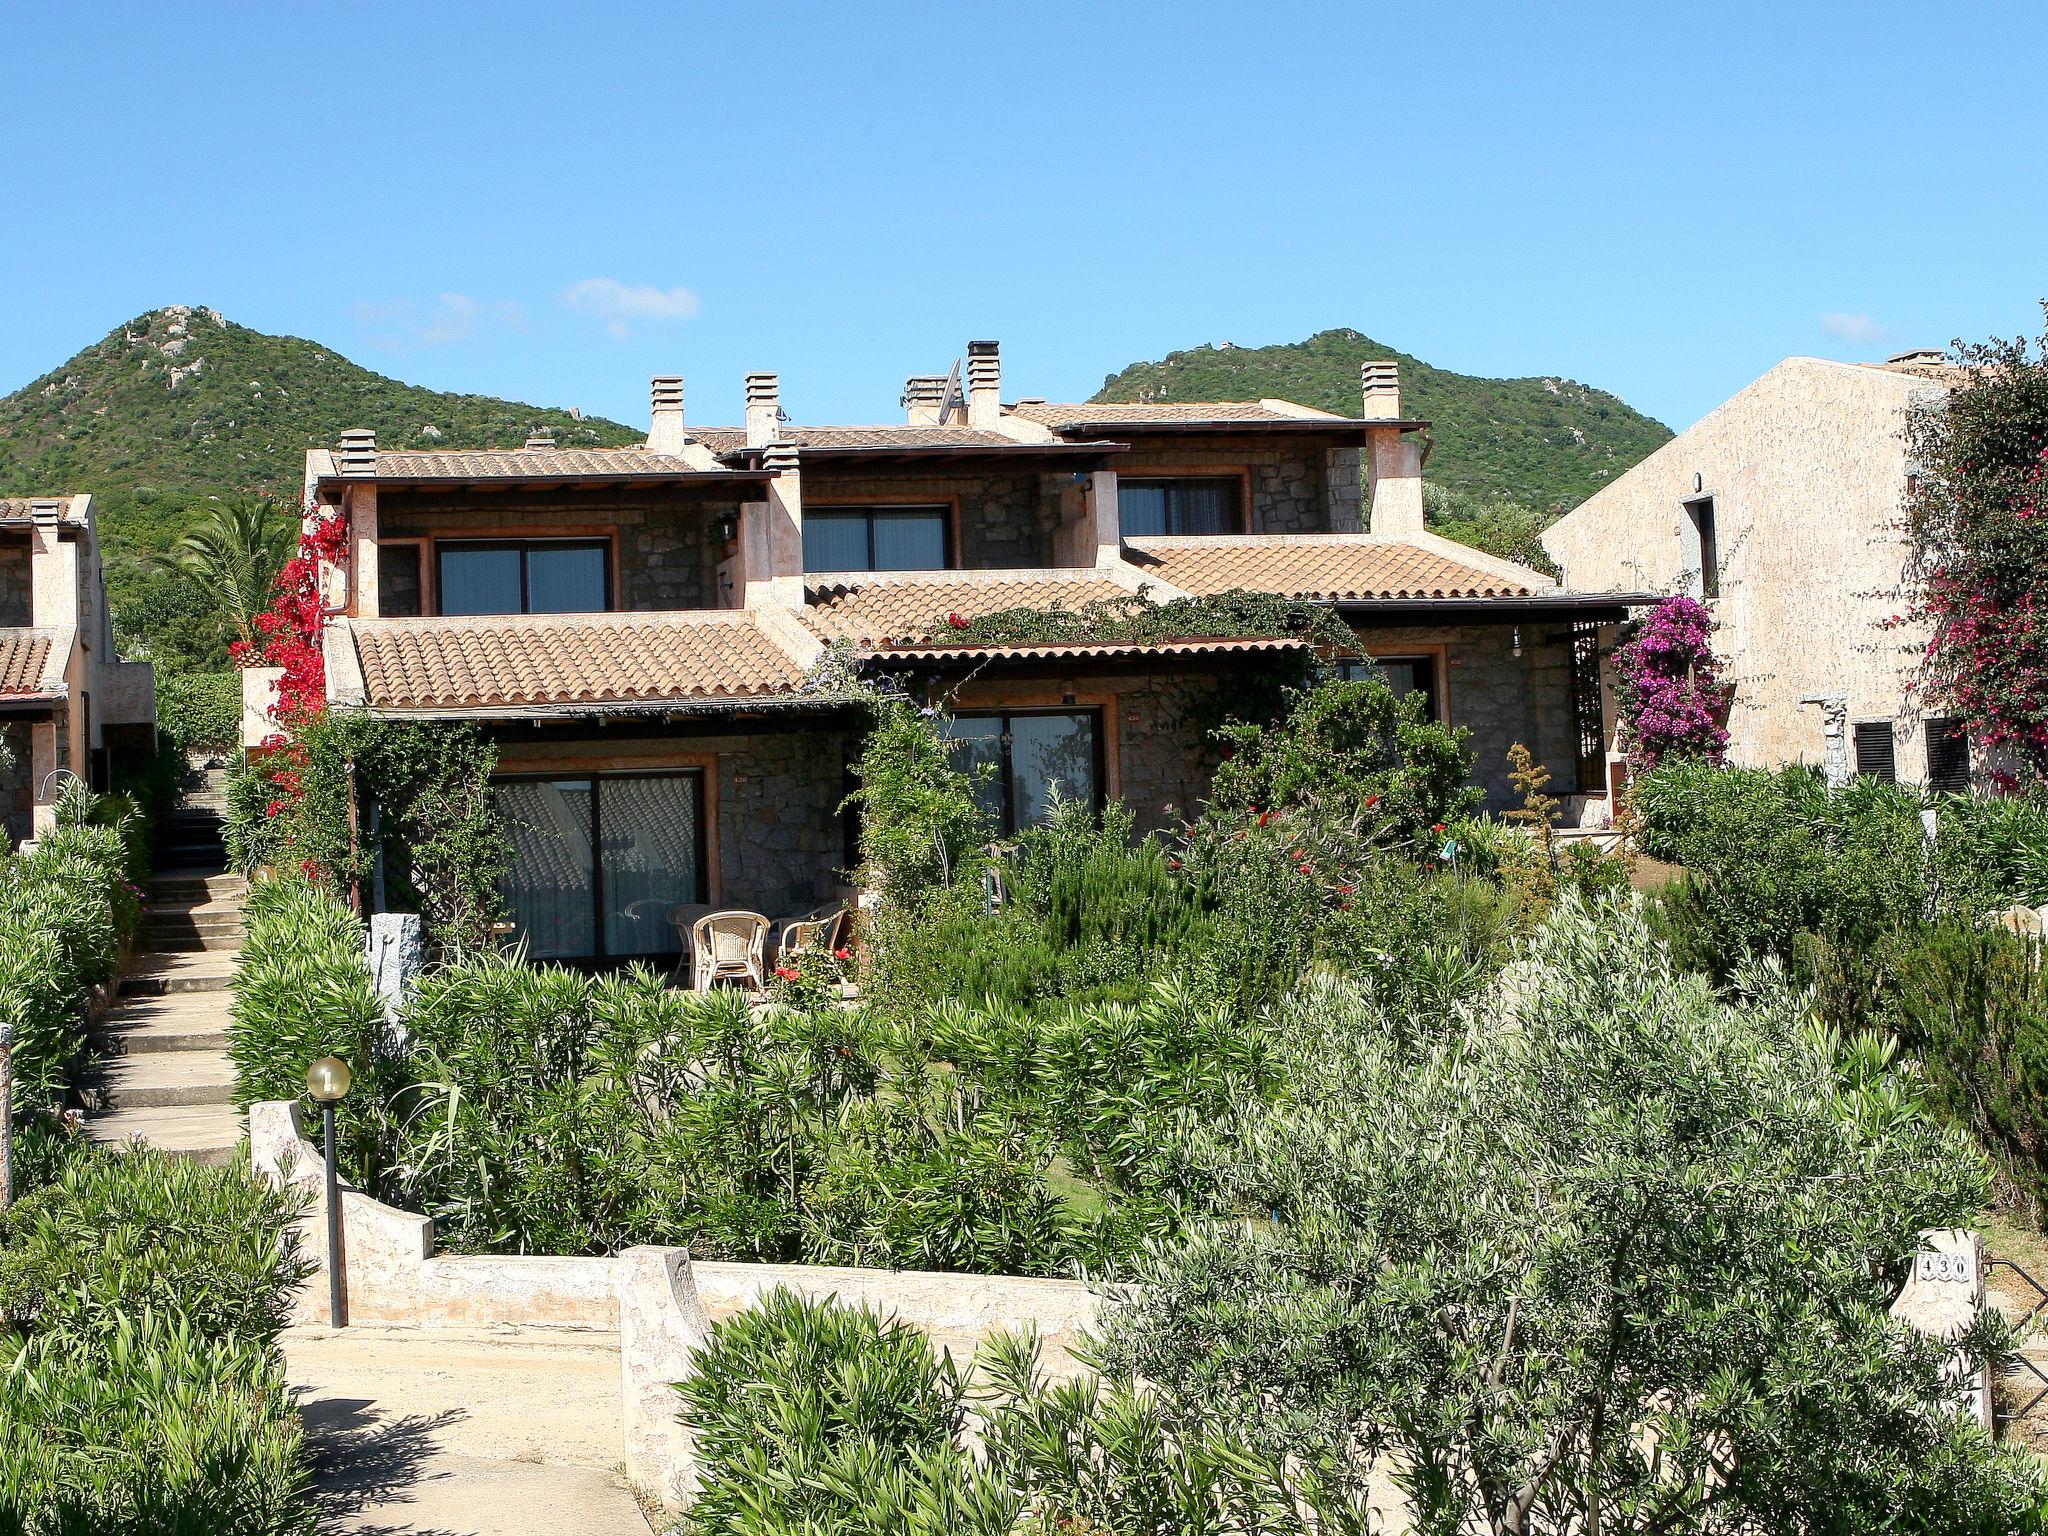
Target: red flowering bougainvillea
column 290, row 626
column 1977, row 518
column 1669, row 685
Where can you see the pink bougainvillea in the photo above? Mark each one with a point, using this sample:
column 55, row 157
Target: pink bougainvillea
column 1669, row 684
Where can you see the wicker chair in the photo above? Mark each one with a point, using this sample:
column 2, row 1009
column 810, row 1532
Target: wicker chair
column 820, row 928
column 729, row 946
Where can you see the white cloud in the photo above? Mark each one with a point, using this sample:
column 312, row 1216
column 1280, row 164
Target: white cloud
column 619, row 304
column 1857, row 327
column 401, row 325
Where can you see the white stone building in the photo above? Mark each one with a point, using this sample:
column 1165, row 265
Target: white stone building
column 1782, row 509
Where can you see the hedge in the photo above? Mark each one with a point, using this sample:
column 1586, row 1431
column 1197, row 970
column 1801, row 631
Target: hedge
column 200, row 711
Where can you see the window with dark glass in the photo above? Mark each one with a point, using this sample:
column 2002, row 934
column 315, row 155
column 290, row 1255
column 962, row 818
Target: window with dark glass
column 1876, row 757
column 1184, row 504
column 1019, row 757
column 1701, row 510
column 523, row 576
column 1948, row 757
column 875, row 538
column 1403, row 674
column 597, row 861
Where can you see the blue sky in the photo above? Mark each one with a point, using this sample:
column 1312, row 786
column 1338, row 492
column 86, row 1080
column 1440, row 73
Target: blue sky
column 554, row 202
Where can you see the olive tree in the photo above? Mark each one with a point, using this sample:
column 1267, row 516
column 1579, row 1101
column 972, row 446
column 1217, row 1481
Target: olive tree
column 1603, row 1253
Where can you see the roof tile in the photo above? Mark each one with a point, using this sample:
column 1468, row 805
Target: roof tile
column 24, row 659
column 530, row 659
column 905, row 610
column 1336, row 568
column 430, row 464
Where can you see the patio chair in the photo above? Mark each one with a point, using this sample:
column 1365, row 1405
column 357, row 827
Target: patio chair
column 729, row 946
column 819, row 928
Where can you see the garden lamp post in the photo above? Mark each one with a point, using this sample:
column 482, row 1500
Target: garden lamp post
column 327, row 1081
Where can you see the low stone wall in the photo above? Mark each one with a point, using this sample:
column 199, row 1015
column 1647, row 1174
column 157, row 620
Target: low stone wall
column 656, row 1303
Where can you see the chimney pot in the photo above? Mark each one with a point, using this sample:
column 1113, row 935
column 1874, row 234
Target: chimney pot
column 355, row 454
column 923, row 394
column 780, row 458
column 665, row 431
column 764, row 409
column 1381, row 387
column 540, row 440
column 984, row 384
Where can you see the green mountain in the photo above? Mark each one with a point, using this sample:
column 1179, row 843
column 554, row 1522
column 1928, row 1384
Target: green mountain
column 180, row 405
column 1545, row 444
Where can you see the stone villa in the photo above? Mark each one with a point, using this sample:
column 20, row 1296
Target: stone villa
column 66, row 699
column 1780, row 510
column 637, row 627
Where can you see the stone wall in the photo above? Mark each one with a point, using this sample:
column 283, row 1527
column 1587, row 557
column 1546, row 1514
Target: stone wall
column 1294, row 489
column 1500, row 697
column 1807, row 467
column 775, row 795
column 1007, row 520
column 667, row 550
column 17, row 788
column 17, row 608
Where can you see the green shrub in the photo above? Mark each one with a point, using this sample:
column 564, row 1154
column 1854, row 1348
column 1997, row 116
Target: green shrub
column 200, row 711
column 921, row 827
column 1972, row 1003
column 303, row 990
column 159, row 1427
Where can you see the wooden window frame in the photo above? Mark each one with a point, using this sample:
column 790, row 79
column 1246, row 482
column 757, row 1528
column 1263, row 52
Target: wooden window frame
column 1438, row 655
column 1098, row 713
column 706, row 844
column 596, row 533
column 1242, row 473
column 947, row 506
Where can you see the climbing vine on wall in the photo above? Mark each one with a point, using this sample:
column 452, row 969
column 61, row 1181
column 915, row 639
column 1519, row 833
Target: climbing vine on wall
column 290, row 627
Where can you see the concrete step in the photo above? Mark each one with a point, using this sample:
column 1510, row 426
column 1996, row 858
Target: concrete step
column 184, row 941
column 209, row 1134
column 172, row 887
column 174, row 1021
column 190, row 971
column 165, row 1080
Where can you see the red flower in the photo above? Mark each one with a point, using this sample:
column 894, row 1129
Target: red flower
column 787, row 973
column 1346, row 888
column 1436, row 826
column 1264, row 817
column 1371, row 801
column 956, row 621
column 842, row 954
column 273, row 807
column 1305, row 867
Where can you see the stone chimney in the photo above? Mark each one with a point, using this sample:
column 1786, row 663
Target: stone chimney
column 355, row 456
column 923, row 394
column 764, row 409
column 540, row 440
column 1381, row 381
column 665, row 432
column 984, row 385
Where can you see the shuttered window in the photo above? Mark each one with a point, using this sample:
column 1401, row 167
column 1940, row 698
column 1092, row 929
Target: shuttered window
column 1948, row 757
column 1875, row 756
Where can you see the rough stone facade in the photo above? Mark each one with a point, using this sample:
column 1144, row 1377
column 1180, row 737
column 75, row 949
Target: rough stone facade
column 1305, row 489
column 1007, row 521
column 667, row 552
column 17, row 792
column 1807, row 468
column 1500, row 697
column 780, row 840
column 17, row 607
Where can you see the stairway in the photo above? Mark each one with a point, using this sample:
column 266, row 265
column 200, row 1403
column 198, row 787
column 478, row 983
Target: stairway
column 165, row 1078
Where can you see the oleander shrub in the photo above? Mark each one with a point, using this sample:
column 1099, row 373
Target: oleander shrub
column 65, row 907
column 159, row 1427
column 200, row 711
column 303, row 990
column 113, row 1235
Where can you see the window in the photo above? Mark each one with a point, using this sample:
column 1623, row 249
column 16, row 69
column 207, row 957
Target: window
column 1025, row 754
column 1948, row 757
column 598, row 861
column 523, row 576
column 398, row 581
column 1589, row 712
column 1875, row 758
column 1183, row 505
column 1403, row 674
column 1701, row 511
column 875, row 538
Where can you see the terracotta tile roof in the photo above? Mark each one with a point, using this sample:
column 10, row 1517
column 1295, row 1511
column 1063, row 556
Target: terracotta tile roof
column 25, row 657
column 1064, row 416
column 730, row 440
column 1331, row 568
column 905, row 609
column 1086, row 650
column 23, row 507
column 429, row 464
column 578, row 658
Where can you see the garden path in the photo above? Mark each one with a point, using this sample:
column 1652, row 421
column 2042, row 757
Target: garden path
column 435, row 1432
column 166, row 1078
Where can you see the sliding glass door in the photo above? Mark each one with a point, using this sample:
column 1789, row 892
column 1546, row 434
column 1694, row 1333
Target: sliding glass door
column 598, row 860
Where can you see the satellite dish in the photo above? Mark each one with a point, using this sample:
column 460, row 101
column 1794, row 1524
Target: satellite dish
column 951, row 396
